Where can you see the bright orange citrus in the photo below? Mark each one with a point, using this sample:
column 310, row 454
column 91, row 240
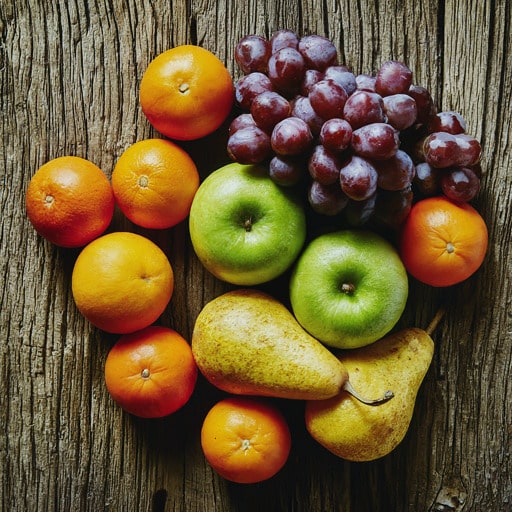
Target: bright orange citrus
column 69, row 201
column 154, row 182
column 151, row 373
column 186, row 92
column 443, row 242
column 122, row 282
column 245, row 439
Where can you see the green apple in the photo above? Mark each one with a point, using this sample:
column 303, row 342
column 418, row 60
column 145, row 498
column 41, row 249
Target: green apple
column 348, row 288
column 245, row 229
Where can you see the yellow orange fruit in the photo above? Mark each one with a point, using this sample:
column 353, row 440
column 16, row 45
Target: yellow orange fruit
column 122, row 282
column 186, row 92
column 154, row 182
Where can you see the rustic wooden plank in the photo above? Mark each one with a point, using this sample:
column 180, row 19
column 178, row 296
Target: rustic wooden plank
column 69, row 83
column 476, row 351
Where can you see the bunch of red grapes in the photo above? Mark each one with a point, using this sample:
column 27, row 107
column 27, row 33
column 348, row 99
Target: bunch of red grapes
column 365, row 146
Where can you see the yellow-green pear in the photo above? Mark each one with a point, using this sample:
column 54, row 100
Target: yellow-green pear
column 352, row 430
column 246, row 342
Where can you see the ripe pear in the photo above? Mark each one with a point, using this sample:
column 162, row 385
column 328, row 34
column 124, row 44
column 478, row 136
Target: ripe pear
column 246, row 342
column 355, row 432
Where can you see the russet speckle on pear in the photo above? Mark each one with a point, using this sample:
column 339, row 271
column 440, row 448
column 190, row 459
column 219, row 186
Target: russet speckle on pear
column 356, row 432
column 246, row 342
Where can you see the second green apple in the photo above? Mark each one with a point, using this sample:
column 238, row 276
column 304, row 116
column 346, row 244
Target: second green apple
column 349, row 288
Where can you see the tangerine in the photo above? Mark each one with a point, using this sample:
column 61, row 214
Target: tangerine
column 122, row 282
column 443, row 242
column 245, row 439
column 186, row 92
column 151, row 373
column 69, row 201
column 154, row 182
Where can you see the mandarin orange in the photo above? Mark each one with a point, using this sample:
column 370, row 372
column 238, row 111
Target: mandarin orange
column 69, row 201
column 186, row 92
column 151, row 373
column 245, row 439
column 442, row 242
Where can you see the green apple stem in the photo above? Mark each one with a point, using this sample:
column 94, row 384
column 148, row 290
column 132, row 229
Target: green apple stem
column 248, row 224
column 388, row 395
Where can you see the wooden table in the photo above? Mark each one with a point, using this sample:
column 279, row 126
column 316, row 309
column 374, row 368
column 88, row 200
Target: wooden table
column 70, row 73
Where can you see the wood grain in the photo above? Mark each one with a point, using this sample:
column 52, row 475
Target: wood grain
column 69, row 78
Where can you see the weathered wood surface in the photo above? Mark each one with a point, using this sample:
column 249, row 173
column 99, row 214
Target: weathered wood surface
column 69, row 76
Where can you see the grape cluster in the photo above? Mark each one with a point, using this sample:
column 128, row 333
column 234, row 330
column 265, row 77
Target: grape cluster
column 365, row 145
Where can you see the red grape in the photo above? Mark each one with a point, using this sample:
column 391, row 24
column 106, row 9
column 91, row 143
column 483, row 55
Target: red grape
column 362, row 145
column 427, row 179
column 241, row 121
column 447, row 121
column 358, row 178
column 395, row 173
column 286, row 70
column 301, row 108
column 400, row 110
column 283, row 39
column 377, row 141
column 365, row 82
column 268, row 108
column 469, row 150
column 392, row 207
column 286, row 171
column 440, row 149
column 252, row 53
column 424, row 103
column 291, row 136
column 336, row 134
column 460, row 184
column 318, row 52
column 249, row 86
column 311, row 77
column 393, row 77
column 323, row 166
column 249, row 145
column 326, row 199
column 364, row 107
column 342, row 76
column 327, row 98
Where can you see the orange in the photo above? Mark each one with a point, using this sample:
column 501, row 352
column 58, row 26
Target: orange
column 186, row 92
column 154, row 182
column 69, row 201
column 151, row 373
column 443, row 242
column 122, row 282
column 245, row 439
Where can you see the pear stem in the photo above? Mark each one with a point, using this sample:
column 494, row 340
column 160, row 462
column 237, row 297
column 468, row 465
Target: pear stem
column 433, row 323
column 388, row 395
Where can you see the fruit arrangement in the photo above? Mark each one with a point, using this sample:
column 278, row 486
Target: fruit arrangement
column 311, row 140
